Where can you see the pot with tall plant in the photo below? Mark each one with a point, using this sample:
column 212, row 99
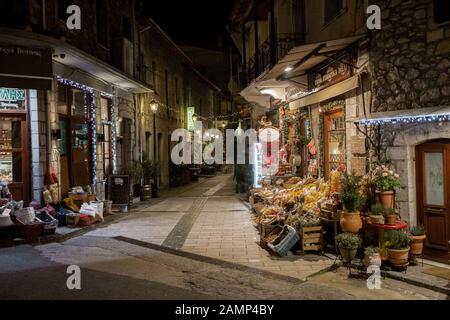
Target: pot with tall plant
column 150, row 171
column 135, row 172
column 418, row 236
column 397, row 244
column 353, row 201
column 386, row 181
column 348, row 244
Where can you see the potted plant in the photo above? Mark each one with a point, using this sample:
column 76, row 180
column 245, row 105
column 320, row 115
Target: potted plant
column 390, row 216
column 371, row 256
column 353, row 200
column 135, row 172
column 385, row 180
column 376, row 214
column 417, row 236
column 348, row 244
column 397, row 244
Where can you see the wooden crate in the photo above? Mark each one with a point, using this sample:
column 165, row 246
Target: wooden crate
column 311, row 239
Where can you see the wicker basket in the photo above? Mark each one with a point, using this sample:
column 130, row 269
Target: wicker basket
column 285, row 241
column 72, row 220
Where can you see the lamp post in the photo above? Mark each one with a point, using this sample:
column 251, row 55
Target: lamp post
column 154, row 108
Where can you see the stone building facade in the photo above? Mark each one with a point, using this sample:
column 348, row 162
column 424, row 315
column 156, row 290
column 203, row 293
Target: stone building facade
column 410, row 74
column 110, row 64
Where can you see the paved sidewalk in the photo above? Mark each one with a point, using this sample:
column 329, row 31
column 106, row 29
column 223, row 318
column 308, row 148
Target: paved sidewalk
column 209, row 219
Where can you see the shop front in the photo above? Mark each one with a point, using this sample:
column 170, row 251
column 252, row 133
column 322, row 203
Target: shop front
column 14, row 143
column 25, row 76
column 419, row 149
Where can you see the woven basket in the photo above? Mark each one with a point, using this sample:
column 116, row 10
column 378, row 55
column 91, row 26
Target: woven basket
column 285, row 241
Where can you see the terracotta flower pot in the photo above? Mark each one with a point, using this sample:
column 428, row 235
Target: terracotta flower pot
column 391, row 219
column 417, row 244
column 351, row 222
column 373, row 259
column 348, row 254
column 398, row 258
column 386, row 198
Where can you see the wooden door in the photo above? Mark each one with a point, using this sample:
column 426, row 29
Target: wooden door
column 334, row 141
column 14, row 156
column 433, row 197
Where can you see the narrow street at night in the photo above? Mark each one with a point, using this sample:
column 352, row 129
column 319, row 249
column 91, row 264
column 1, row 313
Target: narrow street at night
column 251, row 159
column 199, row 244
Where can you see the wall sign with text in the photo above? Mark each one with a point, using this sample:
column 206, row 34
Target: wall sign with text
column 12, row 99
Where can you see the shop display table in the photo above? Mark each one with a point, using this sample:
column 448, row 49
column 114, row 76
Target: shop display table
column 381, row 228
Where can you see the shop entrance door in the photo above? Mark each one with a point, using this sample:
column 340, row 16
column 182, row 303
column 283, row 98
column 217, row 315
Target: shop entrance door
column 14, row 156
column 433, row 197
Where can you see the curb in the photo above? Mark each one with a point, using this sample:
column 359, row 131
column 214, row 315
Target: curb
column 417, row 283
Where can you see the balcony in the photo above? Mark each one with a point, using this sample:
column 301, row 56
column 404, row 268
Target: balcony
column 262, row 61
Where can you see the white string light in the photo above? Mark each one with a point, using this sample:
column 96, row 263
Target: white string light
column 406, row 119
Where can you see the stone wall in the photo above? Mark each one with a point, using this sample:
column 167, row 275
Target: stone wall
column 410, row 58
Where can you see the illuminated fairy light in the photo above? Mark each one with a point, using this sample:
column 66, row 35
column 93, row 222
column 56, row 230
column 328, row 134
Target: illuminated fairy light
column 407, row 119
column 92, row 120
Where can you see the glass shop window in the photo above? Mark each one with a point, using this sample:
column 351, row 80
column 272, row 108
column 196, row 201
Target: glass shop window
column 62, row 99
column 78, row 100
column 10, row 150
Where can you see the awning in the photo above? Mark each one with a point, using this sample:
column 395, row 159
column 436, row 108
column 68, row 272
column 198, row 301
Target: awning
column 75, row 58
column 325, row 94
column 406, row 116
column 302, row 59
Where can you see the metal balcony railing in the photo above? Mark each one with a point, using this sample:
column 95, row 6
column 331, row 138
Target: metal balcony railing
column 262, row 60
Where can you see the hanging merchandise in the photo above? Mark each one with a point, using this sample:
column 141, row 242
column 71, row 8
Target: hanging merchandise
column 312, row 147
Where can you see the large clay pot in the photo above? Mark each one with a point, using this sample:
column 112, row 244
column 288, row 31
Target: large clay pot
column 351, row 222
column 417, row 244
column 398, row 258
column 372, row 260
column 348, row 254
column 386, row 198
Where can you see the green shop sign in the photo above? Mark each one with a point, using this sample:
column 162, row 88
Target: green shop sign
column 12, row 98
column 190, row 111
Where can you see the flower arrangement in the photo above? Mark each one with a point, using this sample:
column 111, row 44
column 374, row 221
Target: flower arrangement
column 385, row 179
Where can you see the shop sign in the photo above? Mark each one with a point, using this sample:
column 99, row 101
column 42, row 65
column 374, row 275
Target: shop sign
column 12, row 98
column 190, row 111
column 25, row 68
column 333, row 74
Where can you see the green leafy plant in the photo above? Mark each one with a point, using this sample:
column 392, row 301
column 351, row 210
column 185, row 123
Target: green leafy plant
column 417, row 230
column 134, row 171
column 149, row 168
column 348, row 241
column 385, row 179
column 377, row 209
column 396, row 239
column 351, row 196
column 368, row 251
